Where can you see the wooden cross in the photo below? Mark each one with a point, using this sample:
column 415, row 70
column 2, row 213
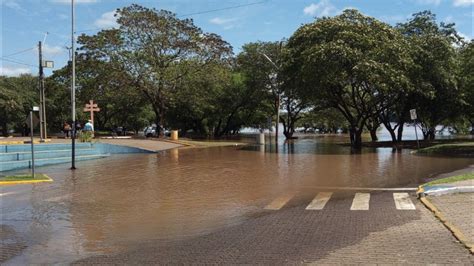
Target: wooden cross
column 91, row 107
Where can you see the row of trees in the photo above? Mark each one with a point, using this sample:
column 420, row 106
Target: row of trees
column 348, row 71
column 373, row 74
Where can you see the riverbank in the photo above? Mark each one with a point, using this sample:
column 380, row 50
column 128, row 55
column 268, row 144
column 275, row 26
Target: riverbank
column 412, row 144
column 465, row 149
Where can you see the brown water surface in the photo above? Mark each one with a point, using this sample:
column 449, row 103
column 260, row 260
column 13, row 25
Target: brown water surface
column 107, row 204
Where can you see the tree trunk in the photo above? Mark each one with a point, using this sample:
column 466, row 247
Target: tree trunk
column 5, row 129
column 390, row 130
column 218, row 128
column 356, row 137
column 289, row 130
column 432, row 134
column 373, row 134
column 400, row 131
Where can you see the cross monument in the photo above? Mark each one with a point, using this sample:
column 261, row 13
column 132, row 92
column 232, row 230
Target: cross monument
column 91, row 107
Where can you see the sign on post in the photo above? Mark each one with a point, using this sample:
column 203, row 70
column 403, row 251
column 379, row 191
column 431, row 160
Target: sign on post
column 414, row 117
column 34, row 119
column 413, row 114
column 48, row 64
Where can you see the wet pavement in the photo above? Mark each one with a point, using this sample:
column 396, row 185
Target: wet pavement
column 192, row 197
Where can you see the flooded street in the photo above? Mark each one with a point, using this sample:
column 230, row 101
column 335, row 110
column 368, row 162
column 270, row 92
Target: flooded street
column 108, row 204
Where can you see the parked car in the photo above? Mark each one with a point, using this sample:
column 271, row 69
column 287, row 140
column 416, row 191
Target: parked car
column 153, row 131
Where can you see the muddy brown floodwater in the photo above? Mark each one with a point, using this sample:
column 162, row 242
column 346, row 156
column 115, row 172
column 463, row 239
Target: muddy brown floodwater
column 108, row 204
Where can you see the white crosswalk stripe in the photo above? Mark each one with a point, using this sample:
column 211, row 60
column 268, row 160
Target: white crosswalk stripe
column 403, row 201
column 361, row 202
column 279, row 202
column 319, row 201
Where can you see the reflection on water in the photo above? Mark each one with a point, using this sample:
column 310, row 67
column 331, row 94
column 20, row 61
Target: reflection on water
column 106, row 204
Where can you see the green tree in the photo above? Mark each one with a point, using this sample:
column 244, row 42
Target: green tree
column 437, row 96
column 120, row 103
column 350, row 62
column 466, row 82
column 157, row 51
column 17, row 97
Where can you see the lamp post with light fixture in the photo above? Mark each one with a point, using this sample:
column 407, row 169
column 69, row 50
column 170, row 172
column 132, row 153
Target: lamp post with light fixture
column 31, row 123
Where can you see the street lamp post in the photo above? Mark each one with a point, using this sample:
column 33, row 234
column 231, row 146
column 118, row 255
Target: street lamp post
column 73, row 91
column 277, row 99
column 32, row 125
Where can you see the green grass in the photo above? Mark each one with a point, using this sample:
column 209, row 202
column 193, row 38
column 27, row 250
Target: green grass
column 468, row 176
column 24, row 177
column 460, row 149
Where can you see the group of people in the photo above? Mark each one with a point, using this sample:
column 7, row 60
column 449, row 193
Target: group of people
column 67, row 129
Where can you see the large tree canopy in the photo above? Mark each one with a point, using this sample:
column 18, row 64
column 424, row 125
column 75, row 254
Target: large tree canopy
column 351, row 62
column 157, row 50
column 432, row 48
column 17, row 97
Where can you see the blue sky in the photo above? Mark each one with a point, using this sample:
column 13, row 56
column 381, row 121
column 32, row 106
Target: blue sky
column 25, row 22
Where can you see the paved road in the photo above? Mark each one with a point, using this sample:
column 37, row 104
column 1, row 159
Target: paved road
column 315, row 227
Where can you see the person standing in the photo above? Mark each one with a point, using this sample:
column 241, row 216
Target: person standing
column 66, row 129
column 89, row 126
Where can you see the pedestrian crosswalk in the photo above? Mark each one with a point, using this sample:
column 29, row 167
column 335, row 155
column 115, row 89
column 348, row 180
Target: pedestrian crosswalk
column 319, row 201
column 360, row 201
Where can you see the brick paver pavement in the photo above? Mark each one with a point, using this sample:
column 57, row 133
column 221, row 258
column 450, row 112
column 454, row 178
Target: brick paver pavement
column 10, row 243
column 458, row 209
column 293, row 235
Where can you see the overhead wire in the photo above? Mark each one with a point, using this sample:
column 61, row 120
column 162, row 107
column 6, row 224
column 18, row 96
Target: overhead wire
column 16, row 62
column 197, row 13
column 221, row 9
column 20, row 52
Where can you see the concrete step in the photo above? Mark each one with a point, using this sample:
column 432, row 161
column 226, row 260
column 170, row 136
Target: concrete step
column 20, row 156
column 13, row 165
column 41, row 147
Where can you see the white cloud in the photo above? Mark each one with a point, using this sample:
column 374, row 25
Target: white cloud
column 221, row 21
column 76, row 1
column 429, row 2
column 13, row 4
column 52, row 50
column 463, row 2
column 321, row 9
column 14, row 71
column 465, row 36
column 107, row 20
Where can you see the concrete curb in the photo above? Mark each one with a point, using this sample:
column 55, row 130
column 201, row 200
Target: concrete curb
column 436, row 191
column 49, row 179
column 441, row 217
column 178, row 142
column 19, row 142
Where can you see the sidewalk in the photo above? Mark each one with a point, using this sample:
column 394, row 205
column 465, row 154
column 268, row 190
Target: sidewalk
column 453, row 204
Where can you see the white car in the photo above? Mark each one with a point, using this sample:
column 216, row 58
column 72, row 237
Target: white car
column 152, row 131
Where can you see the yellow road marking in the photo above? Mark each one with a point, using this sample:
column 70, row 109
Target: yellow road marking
column 25, row 181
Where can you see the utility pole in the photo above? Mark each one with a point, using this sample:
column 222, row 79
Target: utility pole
column 277, row 96
column 42, row 111
column 73, row 90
